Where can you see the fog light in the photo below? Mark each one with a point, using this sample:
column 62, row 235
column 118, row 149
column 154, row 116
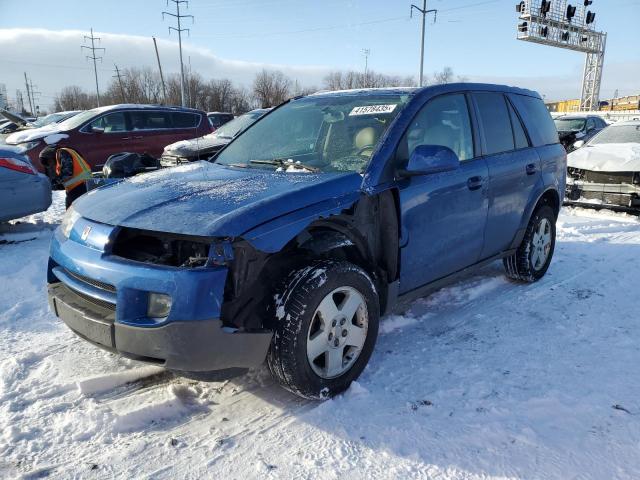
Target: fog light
column 159, row 305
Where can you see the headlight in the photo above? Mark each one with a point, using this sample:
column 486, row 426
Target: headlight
column 68, row 221
column 159, row 305
column 26, row 146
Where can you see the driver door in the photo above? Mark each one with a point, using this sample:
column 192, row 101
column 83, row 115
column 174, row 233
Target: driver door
column 443, row 215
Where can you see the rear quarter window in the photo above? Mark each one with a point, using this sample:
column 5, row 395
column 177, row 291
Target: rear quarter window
column 185, row 120
column 537, row 119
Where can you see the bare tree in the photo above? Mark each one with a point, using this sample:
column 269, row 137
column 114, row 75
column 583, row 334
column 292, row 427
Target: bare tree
column 445, row 76
column 74, row 97
column 271, row 88
column 348, row 80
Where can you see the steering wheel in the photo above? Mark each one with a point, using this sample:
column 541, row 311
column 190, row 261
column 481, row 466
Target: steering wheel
column 363, row 149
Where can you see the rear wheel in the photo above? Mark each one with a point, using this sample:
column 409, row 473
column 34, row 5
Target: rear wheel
column 531, row 260
column 326, row 327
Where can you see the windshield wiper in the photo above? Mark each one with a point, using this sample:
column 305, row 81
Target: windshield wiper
column 286, row 163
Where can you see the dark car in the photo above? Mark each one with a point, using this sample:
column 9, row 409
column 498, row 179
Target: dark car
column 203, row 148
column 217, row 119
column 328, row 212
column 572, row 128
column 99, row 133
column 23, row 190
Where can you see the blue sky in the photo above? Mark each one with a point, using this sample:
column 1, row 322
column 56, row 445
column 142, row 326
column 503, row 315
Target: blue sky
column 475, row 37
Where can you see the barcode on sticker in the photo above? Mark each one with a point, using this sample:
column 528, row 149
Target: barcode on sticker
column 371, row 109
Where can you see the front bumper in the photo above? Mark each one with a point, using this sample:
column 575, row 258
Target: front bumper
column 103, row 299
column 621, row 196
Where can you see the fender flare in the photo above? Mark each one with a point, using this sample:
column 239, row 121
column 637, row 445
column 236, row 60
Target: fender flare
column 517, row 240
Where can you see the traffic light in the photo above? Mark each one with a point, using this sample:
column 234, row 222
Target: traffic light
column 523, row 27
column 520, row 7
column 565, row 36
column 571, row 11
column 545, row 6
column 587, row 2
column 544, row 31
column 590, row 18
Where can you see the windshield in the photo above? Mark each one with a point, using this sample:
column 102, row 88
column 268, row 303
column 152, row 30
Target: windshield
column 51, row 118
column 79, row 119
column 570, row 124
column 232, row 128
column 617, row 134
column 331, row 133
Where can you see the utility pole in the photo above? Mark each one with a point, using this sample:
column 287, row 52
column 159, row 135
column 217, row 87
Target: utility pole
column 366, row 52
column 93, row 57
column 179, row 18
column 118, row 75
column 424, row 13
column 33, row 97
column 26, row 84
column 164, row 88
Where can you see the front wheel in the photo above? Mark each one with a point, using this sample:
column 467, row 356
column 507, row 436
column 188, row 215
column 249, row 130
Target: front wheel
column 531, row 260
column 326, row 325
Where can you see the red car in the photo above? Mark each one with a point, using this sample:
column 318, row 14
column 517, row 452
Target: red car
column 96, row 134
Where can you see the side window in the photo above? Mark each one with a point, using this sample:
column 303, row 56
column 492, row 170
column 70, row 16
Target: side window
column 443, row 121
column 591, row 124
column 141, row 120
column 537, row 119
column 495, row 121
column 185, row 120
column 112, row 122
column 519, row 137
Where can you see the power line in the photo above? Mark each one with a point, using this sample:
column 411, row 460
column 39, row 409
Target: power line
column 93, row 49
column 179, row 17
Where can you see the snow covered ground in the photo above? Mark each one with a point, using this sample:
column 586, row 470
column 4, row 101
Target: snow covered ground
column 483, row 379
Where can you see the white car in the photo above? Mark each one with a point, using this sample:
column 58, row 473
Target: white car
column 606, row 169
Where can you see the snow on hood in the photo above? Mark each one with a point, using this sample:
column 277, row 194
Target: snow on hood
column 193, row 146
column 609, row 157
column 207, row 199
column 33, row 134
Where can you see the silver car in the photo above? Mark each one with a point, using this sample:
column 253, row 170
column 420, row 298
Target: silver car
column 23, row 190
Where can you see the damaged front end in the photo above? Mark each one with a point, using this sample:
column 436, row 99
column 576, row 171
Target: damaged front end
column 150, row 296
column 620, row 190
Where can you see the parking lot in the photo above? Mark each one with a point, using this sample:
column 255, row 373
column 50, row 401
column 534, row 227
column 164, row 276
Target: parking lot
column 482, row 378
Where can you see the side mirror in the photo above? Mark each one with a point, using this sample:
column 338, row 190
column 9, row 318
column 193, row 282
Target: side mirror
column 578, row 144
column 427, row 159
column 97, row 130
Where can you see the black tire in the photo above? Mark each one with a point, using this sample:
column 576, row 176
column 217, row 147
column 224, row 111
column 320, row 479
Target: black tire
column 520, row 266
column 294, row 309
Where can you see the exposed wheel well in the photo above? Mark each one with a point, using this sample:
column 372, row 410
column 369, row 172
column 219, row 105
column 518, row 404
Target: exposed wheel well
column 551, row 198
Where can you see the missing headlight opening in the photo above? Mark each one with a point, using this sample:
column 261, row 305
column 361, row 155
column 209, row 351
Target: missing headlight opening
column 161, row 249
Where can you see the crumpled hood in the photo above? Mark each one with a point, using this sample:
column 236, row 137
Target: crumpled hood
column 31, row 134
column 191, row 147
column 609, row 157
column 206, row 199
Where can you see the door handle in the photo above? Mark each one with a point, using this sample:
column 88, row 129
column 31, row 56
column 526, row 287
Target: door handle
column 125, row 138
column 474, row 183
column 137, row 138
column 531, row 169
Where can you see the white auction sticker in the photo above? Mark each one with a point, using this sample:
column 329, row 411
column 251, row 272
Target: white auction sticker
column 372, row 109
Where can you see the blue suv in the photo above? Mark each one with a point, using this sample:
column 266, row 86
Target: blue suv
column 330, row 211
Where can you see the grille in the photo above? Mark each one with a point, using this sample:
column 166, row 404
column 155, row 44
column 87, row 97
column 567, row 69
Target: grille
column 90, row 281
column 94, row 301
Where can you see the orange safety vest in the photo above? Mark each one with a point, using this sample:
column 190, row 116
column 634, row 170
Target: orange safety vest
column 81, row 170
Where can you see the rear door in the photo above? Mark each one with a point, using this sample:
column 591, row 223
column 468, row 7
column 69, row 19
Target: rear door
column 514, row 169
column 151, row 131
column 443, row 215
